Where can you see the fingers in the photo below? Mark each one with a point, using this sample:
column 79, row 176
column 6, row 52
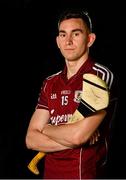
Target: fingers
column 94, row 138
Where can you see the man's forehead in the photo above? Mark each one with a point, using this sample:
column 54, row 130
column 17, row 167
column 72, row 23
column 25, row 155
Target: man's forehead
column 72, row 24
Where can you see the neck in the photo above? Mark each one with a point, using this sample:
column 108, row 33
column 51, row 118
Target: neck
column 74, row 66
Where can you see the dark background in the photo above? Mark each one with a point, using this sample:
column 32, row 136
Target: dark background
column 28, row 54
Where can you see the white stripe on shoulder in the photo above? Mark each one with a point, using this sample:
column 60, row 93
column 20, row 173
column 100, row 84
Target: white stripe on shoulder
column 42, row 106
column 53, row 75
column 44, row 89
column 49, row 78
column 107, row 75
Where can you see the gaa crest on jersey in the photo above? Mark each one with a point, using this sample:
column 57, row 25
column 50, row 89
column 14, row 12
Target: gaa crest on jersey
column 53, row 96
column 77, row 96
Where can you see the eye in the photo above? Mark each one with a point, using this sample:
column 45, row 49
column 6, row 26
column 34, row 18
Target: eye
column 62, row 35
column 76, row 34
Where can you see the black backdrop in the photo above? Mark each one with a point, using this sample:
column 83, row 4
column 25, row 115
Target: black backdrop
column 29, row 54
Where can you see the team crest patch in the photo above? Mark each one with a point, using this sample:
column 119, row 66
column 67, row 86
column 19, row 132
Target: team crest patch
column 53, row 96
column 77, row 96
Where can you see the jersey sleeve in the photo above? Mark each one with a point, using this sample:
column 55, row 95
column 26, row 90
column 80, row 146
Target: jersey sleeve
column 110, row 79
column 42, row 99
column 113, row 86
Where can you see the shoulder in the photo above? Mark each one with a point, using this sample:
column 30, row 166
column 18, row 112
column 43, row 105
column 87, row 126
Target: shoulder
column 53, row 76
column 104, row 72
column 51, row 79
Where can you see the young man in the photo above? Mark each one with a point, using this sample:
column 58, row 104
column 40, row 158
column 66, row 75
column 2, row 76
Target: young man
column 73, row 152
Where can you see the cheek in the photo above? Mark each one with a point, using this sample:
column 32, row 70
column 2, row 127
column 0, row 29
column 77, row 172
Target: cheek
column 83, row 40
column 83, row 44
column 61, row 44
column 61, row 47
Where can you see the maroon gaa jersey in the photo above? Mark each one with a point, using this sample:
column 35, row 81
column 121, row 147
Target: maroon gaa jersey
column 60, row 97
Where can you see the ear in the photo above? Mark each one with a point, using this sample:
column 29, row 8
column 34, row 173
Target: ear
column 91, row 39
column 57, row 41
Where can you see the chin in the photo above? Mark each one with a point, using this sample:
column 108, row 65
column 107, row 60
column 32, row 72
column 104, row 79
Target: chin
column 71, row 58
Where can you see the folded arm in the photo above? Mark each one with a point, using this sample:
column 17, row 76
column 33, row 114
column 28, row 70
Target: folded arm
column 35, row 139
column 77, row 133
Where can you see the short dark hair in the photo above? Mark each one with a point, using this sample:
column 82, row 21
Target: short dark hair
column 76, row 13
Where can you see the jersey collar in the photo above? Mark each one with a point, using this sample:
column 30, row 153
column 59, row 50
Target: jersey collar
column 85, row 68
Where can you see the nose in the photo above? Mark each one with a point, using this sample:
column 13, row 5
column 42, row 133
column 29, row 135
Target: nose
column 69, row 40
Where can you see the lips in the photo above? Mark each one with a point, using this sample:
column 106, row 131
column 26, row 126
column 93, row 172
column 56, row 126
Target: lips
column 68, row 49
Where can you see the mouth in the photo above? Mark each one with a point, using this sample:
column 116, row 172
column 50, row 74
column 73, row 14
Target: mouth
column 68, row 49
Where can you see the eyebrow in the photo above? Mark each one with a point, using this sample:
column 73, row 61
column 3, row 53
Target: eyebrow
column 74, row 30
